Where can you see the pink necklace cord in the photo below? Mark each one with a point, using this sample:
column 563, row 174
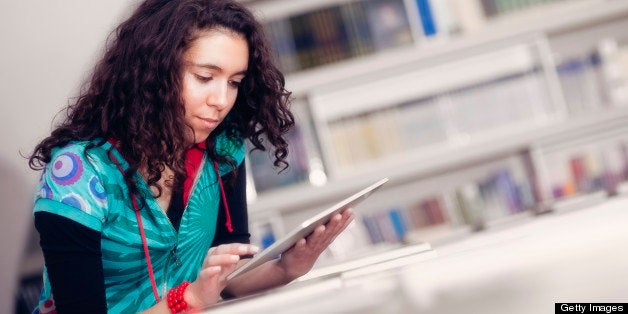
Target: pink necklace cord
column 224, row 199
column 136, row 208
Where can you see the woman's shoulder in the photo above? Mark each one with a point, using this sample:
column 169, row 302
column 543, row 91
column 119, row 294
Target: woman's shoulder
column 93, row 150
column 76, row 159
column 73, row 184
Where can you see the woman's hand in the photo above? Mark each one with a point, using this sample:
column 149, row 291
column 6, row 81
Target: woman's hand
column 299, row 259
column 219, row 262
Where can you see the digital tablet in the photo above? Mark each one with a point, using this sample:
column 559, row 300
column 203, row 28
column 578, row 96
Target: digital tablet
column 305, row 228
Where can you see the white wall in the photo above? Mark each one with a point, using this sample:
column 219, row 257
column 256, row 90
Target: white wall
column 48, row 47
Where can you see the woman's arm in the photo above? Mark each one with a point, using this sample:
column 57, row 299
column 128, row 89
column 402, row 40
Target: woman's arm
column 73, row 262
column 294, row 263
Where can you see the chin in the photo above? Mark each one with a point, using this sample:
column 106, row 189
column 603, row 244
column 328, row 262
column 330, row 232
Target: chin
column 200, row 137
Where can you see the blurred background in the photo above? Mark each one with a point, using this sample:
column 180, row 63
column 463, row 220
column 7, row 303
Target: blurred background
column 485, row 115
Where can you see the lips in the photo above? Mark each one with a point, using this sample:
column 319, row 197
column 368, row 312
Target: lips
column 209, row 122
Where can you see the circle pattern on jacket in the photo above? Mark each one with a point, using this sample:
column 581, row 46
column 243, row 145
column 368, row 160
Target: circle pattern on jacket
column 45, row 191
column 97, row 190
column 67, row 168
column 75, row 201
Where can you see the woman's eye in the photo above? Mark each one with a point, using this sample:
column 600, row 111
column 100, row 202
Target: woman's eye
column 235, row 84
column 203, row 78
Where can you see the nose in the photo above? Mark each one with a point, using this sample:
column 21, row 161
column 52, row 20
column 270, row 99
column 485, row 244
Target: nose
column 219, row 96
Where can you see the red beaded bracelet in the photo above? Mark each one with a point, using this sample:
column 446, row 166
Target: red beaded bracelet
column 176, row 303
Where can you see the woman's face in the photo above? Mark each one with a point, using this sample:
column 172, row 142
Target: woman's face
column 213, row 67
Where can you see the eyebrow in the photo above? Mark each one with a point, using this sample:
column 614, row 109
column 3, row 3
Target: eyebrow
column 214, row 67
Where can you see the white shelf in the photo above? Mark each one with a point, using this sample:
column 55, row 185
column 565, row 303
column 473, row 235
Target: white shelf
column 622, row 189
column 498, row 143
column 368, row 261
column 421, row 83
column 579, row 201
column 549, row 19
column 420, row 163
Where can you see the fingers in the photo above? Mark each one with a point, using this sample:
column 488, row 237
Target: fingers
column 219, row 262
column 234, row 248
column 222, row 260
column 347, row 218
column 325, row 234
column 338, row 223
column 228, row 254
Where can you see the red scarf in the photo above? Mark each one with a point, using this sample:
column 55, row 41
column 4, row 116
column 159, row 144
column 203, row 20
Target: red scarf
column 193, row 158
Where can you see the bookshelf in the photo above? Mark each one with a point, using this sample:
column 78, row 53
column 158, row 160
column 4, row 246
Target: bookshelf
column 471, row 122
column 308, row 34
column 548, row 19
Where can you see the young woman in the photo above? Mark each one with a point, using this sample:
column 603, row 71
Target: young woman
column 141, row 204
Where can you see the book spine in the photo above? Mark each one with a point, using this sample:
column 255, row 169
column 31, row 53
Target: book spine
column 471, row 205
column 398, row 223
column 374, row 232
column 427, row 18
column 579, row 173
column 386, row 227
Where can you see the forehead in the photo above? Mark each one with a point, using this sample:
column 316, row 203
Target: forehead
column 220, row 47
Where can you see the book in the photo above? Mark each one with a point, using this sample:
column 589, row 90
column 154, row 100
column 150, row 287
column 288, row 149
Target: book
column 334, row 37
column 304, row 42
column 386, row 227
column 398, row 222
column 471, row 205
column 359, row 38
column 374, row 232
column 281, row 40
column 389, row 24
column 580, row 84
column 579, row 173
column 612, row 165
column 417, row 215
column 421, row 123
column 427, row 18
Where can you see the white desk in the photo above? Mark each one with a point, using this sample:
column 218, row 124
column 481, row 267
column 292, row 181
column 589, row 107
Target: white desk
column 578, row 256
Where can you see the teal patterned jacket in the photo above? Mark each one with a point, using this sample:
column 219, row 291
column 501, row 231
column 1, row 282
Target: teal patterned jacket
column 86, row 186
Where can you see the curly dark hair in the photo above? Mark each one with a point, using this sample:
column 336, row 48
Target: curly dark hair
column 134, row 93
